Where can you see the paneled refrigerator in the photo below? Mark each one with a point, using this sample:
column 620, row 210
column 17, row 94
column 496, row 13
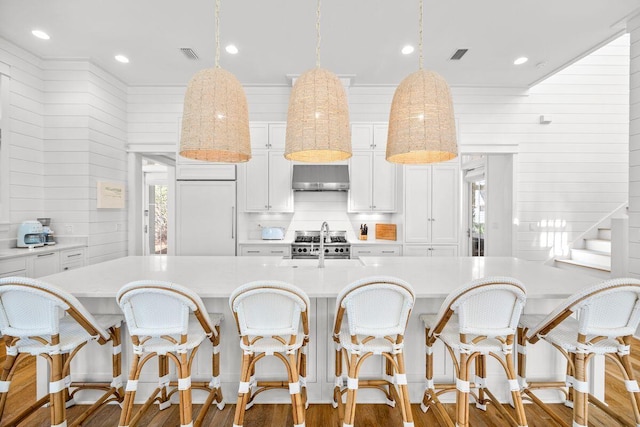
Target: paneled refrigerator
column 206, row 218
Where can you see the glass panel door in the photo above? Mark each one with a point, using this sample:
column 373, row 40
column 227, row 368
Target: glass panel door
column 476, row 232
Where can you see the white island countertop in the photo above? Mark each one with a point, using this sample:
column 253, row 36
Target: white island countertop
column 218, row 276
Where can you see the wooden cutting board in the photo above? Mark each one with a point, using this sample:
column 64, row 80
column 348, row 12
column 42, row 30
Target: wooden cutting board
column 386, row 232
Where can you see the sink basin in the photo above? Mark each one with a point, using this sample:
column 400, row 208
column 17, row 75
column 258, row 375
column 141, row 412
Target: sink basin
column 328, row 263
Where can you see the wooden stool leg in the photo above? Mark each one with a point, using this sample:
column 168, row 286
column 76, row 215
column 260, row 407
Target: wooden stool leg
column 297, row 405
column 352, row 391
column 57, row 387
column 631, row 383
column 389, row 377
column 7, row 370
column 130, row 393
column 514, row 385
column 243, row 389
column 401, row 379
column 184, row 390
column 302, row 374
column 462, row 392
column 215, row 369
column 571, row 363
column 480, row 381
column 339, row 384
column 116, row 359
column 163, row 382
column 428, row 361
column 580, row 391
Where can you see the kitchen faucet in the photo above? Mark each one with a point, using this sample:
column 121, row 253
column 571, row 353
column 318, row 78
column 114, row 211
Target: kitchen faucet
column 324, row 233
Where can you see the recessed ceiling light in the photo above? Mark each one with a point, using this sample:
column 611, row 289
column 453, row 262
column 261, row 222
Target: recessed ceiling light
column 40, row 34
column 408, row 49
column 520, row 60
column 122, row 58
column 232, row 49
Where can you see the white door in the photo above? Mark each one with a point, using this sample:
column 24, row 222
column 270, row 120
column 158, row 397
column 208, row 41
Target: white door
column 206, row 218
column 257, row 182
column 444, row 204
column 417, row 209
column 384, row 183
column 280, row 192
column 360, row 182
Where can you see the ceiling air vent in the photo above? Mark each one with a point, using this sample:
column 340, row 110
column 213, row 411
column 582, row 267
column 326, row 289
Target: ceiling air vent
column 189, row 53
column 458, row 54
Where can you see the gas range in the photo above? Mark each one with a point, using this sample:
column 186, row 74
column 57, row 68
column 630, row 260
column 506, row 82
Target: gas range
column 306, row 245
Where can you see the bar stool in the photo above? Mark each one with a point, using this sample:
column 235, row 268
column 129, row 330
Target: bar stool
column 475, row 321
column 371, row 317
column 599, row 320
column 269, row 315
column 38, row 319
column 168, row 321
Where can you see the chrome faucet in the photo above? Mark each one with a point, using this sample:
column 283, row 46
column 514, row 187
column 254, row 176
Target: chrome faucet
column 324, row 233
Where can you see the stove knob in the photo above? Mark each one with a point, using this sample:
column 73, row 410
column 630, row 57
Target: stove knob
column 341, row 250
column 326, row 251
column 336, row 249
column 304, row 250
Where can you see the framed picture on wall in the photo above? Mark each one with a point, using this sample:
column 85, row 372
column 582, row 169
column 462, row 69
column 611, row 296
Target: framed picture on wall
column 110, row 195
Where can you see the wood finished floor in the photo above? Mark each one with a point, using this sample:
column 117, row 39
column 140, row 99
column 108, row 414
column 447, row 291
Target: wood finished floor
column 23, row 391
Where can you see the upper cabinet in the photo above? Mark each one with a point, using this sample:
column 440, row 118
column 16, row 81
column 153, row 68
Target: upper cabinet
column 267, row 176
column 431, row 203
column 372, row 179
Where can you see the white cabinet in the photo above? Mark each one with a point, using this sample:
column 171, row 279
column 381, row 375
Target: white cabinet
column 267, row 182
column 280, row 250
column 44, row 263
column 268, row 135
column 431, row 204
column 198, row 169
column 368, row 136
column 13, row 267
column 372, row 182
column 375, row 250
column 71, row 259
column 206, row 218
column 431, row 250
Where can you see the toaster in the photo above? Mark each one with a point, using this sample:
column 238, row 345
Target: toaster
column 30, row 235
column 272, row 233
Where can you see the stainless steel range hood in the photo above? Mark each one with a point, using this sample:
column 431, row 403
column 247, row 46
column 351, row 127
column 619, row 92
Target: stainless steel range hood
column 320, row 177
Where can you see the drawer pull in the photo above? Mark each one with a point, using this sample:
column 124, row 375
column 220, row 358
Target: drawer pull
column 277, row 252
column 364, row 252
column 44, row 255
column 72, row 255
column 388, row 252
column 253, row 252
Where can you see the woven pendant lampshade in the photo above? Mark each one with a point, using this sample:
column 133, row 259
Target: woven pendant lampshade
column 421, row 122
column 215, row 119
column 318, row 117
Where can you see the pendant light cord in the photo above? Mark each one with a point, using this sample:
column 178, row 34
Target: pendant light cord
column 421, row 60
column 318, row 35
column 217, row 33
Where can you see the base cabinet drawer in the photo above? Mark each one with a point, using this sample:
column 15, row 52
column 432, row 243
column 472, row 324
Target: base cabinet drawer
column 13, row 267
column 266, row 250
column 375, row 250
column 431, row 250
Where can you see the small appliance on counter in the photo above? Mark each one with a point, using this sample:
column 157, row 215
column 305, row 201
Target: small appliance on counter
column 272, row 233
column 30, row 235
column 46, row 231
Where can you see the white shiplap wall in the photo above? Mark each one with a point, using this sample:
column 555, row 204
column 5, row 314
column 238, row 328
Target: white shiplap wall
column 634, row 148
column 26, row 124
column 85, row 142
column 573, row 171
column 570, row 173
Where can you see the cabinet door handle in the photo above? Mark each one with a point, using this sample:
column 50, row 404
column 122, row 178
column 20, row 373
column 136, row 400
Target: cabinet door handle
column 253, row 252
column 233, row 220
column 433, row 219
column 388, row 252
column 277, row 252
column 72, row 255
column 44, row 255
column 374, row 206
column 266, row 206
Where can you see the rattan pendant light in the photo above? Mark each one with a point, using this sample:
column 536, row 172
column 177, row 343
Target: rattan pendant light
column 421, row 123
column 215, row 120
column 318, row 118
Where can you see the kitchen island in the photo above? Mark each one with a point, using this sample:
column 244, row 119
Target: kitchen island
column 214, row 279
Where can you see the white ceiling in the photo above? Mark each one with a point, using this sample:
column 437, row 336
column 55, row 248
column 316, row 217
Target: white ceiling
column 359, row 37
